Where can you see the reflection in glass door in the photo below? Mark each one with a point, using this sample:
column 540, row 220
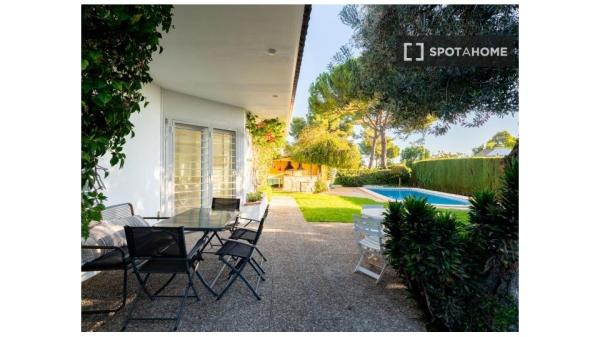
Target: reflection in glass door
column 187, row 167
column 223, row 164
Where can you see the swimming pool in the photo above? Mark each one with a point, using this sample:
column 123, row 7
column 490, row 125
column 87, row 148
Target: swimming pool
column 433, row 197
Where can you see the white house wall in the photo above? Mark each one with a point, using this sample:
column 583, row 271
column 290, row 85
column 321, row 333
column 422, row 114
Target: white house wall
column 192, row 110
column 139, row 181
column 142, row 180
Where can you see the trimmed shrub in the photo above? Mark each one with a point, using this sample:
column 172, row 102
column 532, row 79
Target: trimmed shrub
column 427, row 251
column 459, row 175
column 393, row 176
column 465, row 277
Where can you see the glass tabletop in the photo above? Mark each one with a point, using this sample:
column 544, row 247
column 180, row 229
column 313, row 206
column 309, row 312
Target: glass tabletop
column 201, row 219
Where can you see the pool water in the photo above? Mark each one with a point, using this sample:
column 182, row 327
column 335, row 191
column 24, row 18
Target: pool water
column 435, row 199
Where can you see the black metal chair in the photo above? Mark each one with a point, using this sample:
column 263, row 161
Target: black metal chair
column 225, row 204
column 115, row 258
column 241, row 252
column 251, row 235
column 162, row 250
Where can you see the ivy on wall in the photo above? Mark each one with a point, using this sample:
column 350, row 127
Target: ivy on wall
column 116, row 48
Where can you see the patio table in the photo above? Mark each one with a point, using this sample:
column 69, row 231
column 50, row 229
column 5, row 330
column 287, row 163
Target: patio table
column 205, row 220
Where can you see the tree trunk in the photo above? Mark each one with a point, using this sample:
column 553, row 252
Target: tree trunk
column 383, row 148
column 373, row 148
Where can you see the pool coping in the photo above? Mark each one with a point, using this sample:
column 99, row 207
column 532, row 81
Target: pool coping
column 443, row 194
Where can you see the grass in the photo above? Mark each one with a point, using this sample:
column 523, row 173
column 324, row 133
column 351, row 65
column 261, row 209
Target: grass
column 328, row 208
column 334, row 208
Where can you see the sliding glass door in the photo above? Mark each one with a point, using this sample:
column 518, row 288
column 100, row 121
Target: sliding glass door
column 188, row 179
column 223, row 164
column 202, row 166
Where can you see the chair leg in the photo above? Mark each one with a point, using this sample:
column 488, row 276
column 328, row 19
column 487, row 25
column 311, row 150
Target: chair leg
column 256, row 270
column 238, row 273
column 205, row 284
column 193, row 288
column 261, row 254
column 382, row 270
column 141, row 289
column 258, row 265
column 164, row 285
column 180, row 311
column 218, row 275
column 139, row 278
column 358, row 265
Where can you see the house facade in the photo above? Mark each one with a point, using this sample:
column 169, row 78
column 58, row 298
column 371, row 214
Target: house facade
column 190, row 143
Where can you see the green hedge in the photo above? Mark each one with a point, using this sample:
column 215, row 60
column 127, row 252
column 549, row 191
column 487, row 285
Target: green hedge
column 360, row 177
column 458, row 175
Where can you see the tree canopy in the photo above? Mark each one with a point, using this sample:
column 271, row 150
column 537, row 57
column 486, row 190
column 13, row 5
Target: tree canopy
column 317, row 145
column 413, row 153
column 500, row 139
column 298, row 123
column 415, row 95
column 366, row 146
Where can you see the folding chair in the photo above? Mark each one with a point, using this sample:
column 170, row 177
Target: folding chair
column 240, row 253
column 369, row 236
column 162, row 250
column 113, row 258
column 225, row 204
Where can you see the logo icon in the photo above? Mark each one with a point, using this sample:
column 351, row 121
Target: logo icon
column 421, row 45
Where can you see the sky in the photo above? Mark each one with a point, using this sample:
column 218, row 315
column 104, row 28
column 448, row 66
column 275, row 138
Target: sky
column 326, row 34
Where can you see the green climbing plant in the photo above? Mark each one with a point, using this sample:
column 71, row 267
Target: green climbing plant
column 117, row 45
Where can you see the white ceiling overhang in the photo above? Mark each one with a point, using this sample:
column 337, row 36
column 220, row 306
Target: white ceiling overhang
column 220, row 53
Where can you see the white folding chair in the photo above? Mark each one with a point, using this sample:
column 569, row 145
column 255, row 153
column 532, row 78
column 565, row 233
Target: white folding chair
column 368, row 234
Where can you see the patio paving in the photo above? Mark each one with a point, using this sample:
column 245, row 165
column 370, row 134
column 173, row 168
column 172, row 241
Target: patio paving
column 310, row 286
column 353, row 192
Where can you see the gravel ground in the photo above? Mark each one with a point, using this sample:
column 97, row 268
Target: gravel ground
column 310, row 286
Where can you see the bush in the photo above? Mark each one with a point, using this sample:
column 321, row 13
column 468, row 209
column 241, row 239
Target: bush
column 464, row 276
column 321, row 186
column 459, row 175
column 253, row 196
column 393, row 176
column 266, row 190
column 427, row 251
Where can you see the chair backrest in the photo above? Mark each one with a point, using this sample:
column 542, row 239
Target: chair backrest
column 155, row 242
column 365, row 226
column 261, row 225
column 226, row 204
column 117, row 211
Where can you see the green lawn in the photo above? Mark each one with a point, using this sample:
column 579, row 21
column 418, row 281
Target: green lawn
column 333, row 208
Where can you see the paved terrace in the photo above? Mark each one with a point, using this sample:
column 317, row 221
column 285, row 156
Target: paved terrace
column 310, row 286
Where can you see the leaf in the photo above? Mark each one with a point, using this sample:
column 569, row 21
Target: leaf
column 136, row 18
column 102, row 98
column 84, row 64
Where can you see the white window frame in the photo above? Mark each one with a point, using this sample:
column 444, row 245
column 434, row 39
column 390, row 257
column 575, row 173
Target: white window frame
column 167, row 197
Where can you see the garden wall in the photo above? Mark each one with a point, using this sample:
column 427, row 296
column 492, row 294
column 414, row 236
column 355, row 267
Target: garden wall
column 458, row 175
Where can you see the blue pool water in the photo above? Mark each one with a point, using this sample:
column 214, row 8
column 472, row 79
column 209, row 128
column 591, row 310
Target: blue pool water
column 401, row 193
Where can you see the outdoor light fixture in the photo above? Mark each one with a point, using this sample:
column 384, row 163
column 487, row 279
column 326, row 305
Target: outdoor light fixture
column 271, row 51
column 275, row 95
